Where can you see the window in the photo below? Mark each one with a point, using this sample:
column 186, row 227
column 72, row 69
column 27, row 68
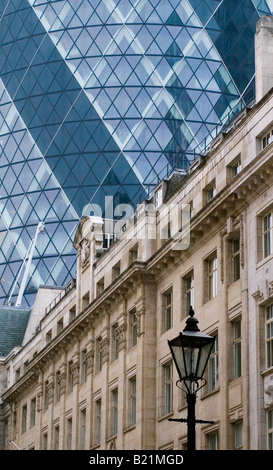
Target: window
column 100, row 286
column 168, row 388
column 132, row 404
column 213, row 440
column 83, row 366
column 133, row 254
column 237, row 348
column 69, row 434
column 56, row 438
column 70, row 377
column 114, row 340
column 269, row 335
column 48, row 336
column 270, row 429
column 72, row 313
column 98, row 421
column 24, row 419
column 46, row 387
column 234, row 168
column 116, row 271
column 267, row 139
column 236, row 259
column 82, row 428
column 167, row 310
column 238, row 428
column 98, row 354
column 209, row 192
column 58, row 386
column 32, row 412
column 213, row 367
column 158, row 197
column 60, row 325
column 114, row 396
column 44, row 441
column 133, row 327
column 267, row 234
column 85, row 300
column 188, row 293
column 211, row 277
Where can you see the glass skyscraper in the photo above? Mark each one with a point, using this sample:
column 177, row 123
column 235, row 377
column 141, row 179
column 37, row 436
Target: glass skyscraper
column 103, row 98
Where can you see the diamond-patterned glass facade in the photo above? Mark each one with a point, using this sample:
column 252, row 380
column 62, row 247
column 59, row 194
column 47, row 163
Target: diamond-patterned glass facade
column 103, row 98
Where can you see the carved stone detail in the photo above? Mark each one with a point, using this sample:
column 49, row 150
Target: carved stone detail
column 121, row 335
column 104, row 349
column 85, row 254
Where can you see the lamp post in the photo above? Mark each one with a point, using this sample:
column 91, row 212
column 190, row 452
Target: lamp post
column 190, row 351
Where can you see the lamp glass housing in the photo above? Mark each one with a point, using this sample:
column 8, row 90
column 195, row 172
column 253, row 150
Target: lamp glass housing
column 191, row 351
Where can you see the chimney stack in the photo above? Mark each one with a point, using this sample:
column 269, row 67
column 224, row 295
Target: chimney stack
column 264, row 56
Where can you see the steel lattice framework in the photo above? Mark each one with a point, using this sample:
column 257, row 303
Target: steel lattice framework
column 103, row 98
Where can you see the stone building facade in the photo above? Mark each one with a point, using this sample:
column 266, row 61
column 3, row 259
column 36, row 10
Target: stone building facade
column 98, row 373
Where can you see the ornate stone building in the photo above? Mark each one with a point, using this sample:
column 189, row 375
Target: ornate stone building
column 94, row 370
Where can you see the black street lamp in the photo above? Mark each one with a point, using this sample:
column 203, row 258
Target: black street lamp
column 190, row 351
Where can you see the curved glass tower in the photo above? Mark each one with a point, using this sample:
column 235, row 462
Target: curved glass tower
column 103, row 98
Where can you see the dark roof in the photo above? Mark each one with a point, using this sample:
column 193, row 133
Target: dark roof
column 13, row 323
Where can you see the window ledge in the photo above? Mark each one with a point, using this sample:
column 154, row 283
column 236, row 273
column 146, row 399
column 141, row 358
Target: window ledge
column 130, row 428
column 208, row 394
column 161, row 418
column 264, row 261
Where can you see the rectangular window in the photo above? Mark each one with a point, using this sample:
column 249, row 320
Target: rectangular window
column 69, row 434
column 44, row 443
column 114, row 396
column 46, row 386
column 24, row 419
column 72, row 313
column 132, row 404
column 211, row 267
column 85, row 301
column 269, row 335
column 82, row 429
column 267, row 234
column 133, row 254
column 209, row 192
column 213, row 440
column 58, row 386
column 83, row 366
column 133, row 327
column 158, row 197
column 236, row 259
column 267, row 139
column 48, row 336
column 237, row 347
column 213, row 365
column 238, row 435
column 60, row 325
column 56, row 438
column 270, row 429
column 168, row 388
column 114, row 341
column 100, row 286
column 33, row 412
column 236, row 168
column 116, row 271
column 98, row 354
column 98, row 421
column 188, row 293
column 70, row 376
column 167, row 310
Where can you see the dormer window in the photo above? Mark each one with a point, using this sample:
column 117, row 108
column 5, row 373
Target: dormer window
column 158, row 197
